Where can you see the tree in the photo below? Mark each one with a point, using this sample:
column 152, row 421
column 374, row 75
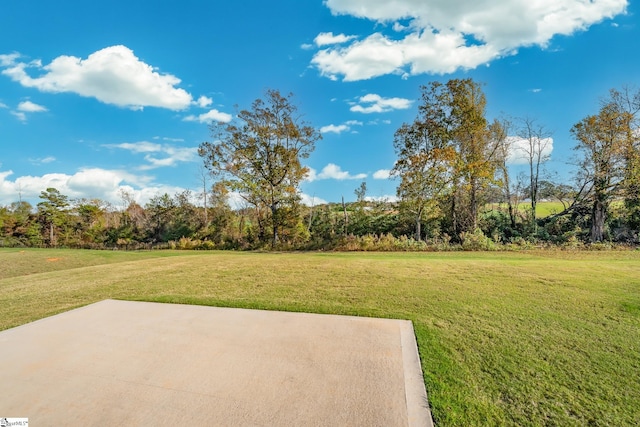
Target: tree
column 423, row 166
column 52, row 211
column 447, row 152
column 601, row 141
column 361, row 193
column 259, row 155
column 499, row 131
column 627, row 100
column 203, row 178
column 161, row 210
column 90, row 220
column 18, row 225
column 127, row 225
column 537, row 141
column 359, row 222
column 474, row 167
column 219, row 223
column 186, row 221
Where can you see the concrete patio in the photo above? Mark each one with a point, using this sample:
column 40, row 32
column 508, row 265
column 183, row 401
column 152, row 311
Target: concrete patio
column 139, row 363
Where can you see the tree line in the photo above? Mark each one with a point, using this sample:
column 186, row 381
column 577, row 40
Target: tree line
column 455, row 189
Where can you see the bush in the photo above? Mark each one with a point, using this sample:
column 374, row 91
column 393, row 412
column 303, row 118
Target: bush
column 404, row 243
column 206, row 245
column 187, row 243
column 477, row 241
column 572, row 242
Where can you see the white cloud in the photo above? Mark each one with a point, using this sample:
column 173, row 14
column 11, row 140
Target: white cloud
column 209, row 117
column 334, row 129
column 175, row 156
column 138, row 147
column 324, row 39
column 446, row 36
column 8, row 60
column 164, row 138
column 113, row 75
column 20, row 116
column 308, row 200
column 204, row 101
column 43, row 161
column 87, row 183
column 387, row 198
column 95, row 181
column 3, row 105
column 520, row 147
column 373, row 103
column 333, row 171
column 378, row 122
column 27, row 107
column 398, row 27
column 159, row 155
column 382, row 174
column 338, row 129
column 30, row 107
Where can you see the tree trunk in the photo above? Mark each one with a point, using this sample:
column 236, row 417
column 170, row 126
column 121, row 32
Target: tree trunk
column 454, row 217
column 346, row 218
column 310, row 218
column 418, row 228
column 534, row 222
column 507, row 187
column 512, row 216
column 532, row 189
column 598, row 217
column 474, row 204
column 274, row 220
column 206, row 212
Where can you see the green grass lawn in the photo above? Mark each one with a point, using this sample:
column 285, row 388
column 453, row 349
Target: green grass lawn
column 527, row 339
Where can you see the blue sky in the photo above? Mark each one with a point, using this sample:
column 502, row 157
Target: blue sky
column 99, row 97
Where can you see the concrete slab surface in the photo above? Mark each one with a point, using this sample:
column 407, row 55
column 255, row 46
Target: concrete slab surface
column 138, row 363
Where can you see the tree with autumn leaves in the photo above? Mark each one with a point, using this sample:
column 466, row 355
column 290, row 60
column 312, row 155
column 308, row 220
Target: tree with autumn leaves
column 258, row 156
column 608, row 144
column 447, row 157
column 451, row 155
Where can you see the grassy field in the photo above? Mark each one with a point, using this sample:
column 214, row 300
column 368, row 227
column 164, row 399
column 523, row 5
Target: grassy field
column 543, row 209
column 527, row 339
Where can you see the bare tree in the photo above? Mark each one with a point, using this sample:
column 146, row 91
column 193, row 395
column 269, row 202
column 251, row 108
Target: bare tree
column 537, row 142
column 203, row 180
column 127, row 198
column 499, row 131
